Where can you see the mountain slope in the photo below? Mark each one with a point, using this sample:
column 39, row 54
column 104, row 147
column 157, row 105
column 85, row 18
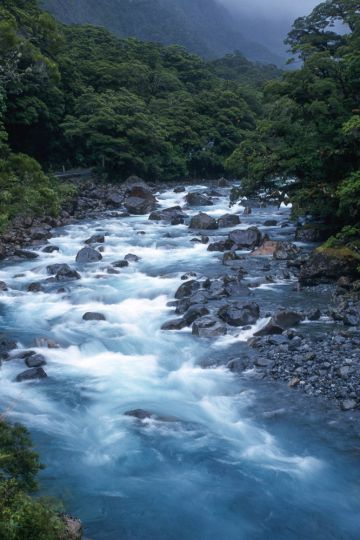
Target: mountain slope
column 202, row 26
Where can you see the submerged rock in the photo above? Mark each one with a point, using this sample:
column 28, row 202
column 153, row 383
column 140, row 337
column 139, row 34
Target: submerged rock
column 172, row 215
column 93, row 316
column 35, row 360
column 62, row 272
column 95, row 239
column 88, row 255
column 31, row 374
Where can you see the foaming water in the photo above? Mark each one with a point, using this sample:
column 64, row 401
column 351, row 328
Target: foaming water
column 205, row 464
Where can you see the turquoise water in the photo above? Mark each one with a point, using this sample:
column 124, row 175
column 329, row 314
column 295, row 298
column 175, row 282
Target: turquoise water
column 239, row 458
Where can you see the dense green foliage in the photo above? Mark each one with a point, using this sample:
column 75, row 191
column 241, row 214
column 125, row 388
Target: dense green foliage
column 204, row 27
column 22, row 517
column 79, row 96
column 310, row 133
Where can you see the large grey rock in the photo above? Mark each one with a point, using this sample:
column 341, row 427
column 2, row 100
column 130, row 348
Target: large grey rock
column 281, row 321
column 239, row 314
column 139, row 200
column 62, row 272
column 35, row 360
column 187, row 289
column 174, row 215
column 208, row 327
column 249, row 238
column 198, row 199
column 31, row 374
column 228, row 220
column 193, row 313
column 95, row 239
column 203, row 222
column 88, row 255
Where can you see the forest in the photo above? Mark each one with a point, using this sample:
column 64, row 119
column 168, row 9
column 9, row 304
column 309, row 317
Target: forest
column 78, row 96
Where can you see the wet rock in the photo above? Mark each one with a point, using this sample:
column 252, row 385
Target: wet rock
column 51, row 249
column 203, row 221
column 193, row 313
column 115, row 199
column 88, row 255
column 174, row 324
column 238, row 365
column 188, row 275
column 208, row 327
column 328, row 265
column 285, row 251
column 172, row 215
column 187, row 289
column 311, row 233
column 112, row 271
column 348, row 405
column 247, row 211
column 93, row 316
column 34, row 287
column 228, row 220
column 139, row 200
column 267, row 249
column 3, row 286
column 202, row 240
column 40, row 233
column 44, row 342
column 270, row 223
column 269, row 329
column 198, row 199
column 238, row 314
column 95, row 239
column 120, row 264
column 31, row 374
column 179, row 189
column 249, row 238
column 6, row 345
column 35, row 360
column 221, row 245
column 130, row 257
column 287, row 319
column 24, row 254
column 62, row 272
column 313, row 314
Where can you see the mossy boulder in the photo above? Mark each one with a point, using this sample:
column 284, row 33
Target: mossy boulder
column 326, row 265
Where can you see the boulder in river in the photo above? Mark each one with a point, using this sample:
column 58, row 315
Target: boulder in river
column 121, row 264
column 203, row 222
column 35, row 360
column 195, row 312
column 238, row 314
column 95, row 239
column 130, row 257
column 62, row 272
column 208, row 327
column 93, row 316
column 51, row 249
column 6, row 345
column 187, row 289
column 3, row 286
column 25, row 254
column 171, row 215
column 228, row 220
column 248, row 239
column 88, row 255
column 174, row 324
column 282, row 320
column 139, row 200
column 179, row 189
column 198, row 199
column 34, row 287
column 31, row 374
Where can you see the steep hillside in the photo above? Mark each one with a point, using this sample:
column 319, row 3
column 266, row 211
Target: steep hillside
column 202, row 26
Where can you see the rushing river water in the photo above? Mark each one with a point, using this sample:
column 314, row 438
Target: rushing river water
column 243, row 459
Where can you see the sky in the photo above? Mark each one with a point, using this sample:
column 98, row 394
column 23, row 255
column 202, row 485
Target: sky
column 269, row 21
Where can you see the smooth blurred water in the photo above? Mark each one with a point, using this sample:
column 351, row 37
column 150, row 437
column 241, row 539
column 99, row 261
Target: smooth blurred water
column 238, row 459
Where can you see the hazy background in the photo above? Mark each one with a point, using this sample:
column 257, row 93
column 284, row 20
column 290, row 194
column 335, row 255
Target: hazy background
column 268, row 21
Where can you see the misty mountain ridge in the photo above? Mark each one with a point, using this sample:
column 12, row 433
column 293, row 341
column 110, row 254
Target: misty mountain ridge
column 204, row 27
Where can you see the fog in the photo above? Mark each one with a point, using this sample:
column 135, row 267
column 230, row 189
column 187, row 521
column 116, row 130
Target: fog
column 272, row 9
column 268, row 21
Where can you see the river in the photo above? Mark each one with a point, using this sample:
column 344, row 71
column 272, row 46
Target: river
column 228, row 456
